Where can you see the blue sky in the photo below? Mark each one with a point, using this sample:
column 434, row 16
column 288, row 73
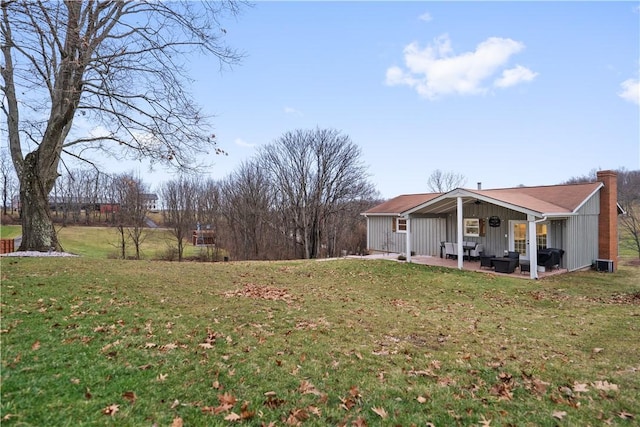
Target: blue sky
column 505, row 93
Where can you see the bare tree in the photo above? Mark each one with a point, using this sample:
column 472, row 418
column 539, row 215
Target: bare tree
column 209, row 215
column 247, row 205
column 629, row 199
column 7, row 175
column 590, row 176
column 113, row 64
column 180, row 209
column 316, row 173
column 441, row 182
column 135, row 208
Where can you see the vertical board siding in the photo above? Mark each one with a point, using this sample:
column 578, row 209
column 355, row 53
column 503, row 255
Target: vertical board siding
column 494, row 240
column 426, row 235
column 581, row 244
column 382, row 238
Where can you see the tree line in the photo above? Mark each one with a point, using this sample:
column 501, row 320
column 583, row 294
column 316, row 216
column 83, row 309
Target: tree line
column 300, row 197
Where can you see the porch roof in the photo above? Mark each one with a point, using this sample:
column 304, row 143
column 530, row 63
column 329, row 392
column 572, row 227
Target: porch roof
column 552, row 200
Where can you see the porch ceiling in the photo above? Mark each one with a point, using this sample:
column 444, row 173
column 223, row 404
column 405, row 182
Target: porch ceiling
column 444, row 206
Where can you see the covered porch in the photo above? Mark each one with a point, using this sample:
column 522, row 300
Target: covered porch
column 473, row 265
column 494, row 224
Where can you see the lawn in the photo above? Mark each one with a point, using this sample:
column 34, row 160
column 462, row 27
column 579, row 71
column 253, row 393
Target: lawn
column 103, row 242
column 90, row 341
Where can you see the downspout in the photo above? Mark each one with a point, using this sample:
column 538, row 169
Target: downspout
column 533, row 248
column 368, row 245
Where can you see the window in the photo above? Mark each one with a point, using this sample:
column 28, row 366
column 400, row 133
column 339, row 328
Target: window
column 541, row 236
column 401, row 225
column 472, row 227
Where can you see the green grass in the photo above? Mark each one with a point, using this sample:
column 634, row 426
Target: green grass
column 343, row 342
column 102, row 242
column 10, row 231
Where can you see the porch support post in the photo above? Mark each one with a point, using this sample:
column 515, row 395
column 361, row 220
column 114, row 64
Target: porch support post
column 408, row 255
column 368, row 231
column 460, row 248
column 532, row 248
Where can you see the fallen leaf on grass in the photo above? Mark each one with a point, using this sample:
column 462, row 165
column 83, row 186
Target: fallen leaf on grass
column 307, row 388
column 111, row 410
column 233, row 417
column 162, row 377
column 168, row 347
column 580, row 388
column 130, row 396
column 626, row 416
column 421, row 399
column 559, row 414
column 605, row 386
column 380, row 412
column 177, row 422
column 296, row 417
column 35, row 346
column 314, row 410
column 227, row 398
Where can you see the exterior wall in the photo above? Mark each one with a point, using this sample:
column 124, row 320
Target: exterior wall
column 426, row 235
column 494, row 240
column 381, row 237
column 581, row 241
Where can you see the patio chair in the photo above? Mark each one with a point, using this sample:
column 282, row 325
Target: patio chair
column 515, row 255
column 450, row 250
column 485, row 260
column 475, row 253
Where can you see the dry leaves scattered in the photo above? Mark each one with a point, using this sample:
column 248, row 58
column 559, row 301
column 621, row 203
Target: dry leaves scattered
column 251, row 290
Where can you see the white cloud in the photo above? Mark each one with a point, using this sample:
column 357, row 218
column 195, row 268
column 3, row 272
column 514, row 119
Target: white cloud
column 426, row 17
column 99, row 132
column 630, row 91
column 513, row 76
column 289, row 110
column 435, row 70
column 242, row 143
column 146, row 140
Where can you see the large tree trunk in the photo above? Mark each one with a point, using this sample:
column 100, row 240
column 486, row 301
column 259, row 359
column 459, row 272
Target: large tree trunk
column 38, row 233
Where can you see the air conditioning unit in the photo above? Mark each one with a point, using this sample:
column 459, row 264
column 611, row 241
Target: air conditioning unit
column 605, row 265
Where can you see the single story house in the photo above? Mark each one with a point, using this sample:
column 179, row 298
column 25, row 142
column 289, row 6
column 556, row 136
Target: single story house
column 580, row 219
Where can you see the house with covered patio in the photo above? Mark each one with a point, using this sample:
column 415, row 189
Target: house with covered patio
column 577, row 220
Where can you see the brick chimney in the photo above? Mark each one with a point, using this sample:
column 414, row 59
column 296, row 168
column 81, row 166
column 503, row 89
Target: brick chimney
column 608, row 219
